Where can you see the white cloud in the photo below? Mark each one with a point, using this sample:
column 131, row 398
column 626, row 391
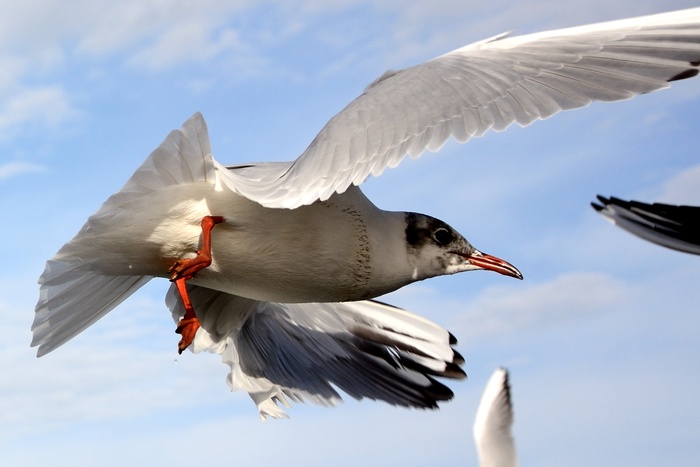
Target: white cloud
column 123, row 368
column 13, row 68
column 16, row 168
column 98, row 28
column 154, row 35
column 188, row 42
column 46, row 106
column 565, row 299
column 683, row 188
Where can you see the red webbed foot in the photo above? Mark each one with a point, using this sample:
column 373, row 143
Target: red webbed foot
column 183, row 270
column 187, row 327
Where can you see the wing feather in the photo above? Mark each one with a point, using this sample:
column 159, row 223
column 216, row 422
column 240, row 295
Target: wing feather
column 675, row 227
column 492, row 426
column 487, row 85
column 303, row 352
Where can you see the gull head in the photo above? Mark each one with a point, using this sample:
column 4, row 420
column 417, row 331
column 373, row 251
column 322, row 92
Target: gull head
column 436, row 249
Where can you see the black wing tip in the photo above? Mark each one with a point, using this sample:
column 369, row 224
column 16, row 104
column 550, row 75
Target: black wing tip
column 603, row 203
column 457, row 358
column 612, row 200
column 453, row 339
column 453, row 371
column 438, row 392
column 685, row 74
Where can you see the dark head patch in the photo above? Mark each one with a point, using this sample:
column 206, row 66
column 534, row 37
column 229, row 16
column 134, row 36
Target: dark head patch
column 421, row 230
column 413, row 232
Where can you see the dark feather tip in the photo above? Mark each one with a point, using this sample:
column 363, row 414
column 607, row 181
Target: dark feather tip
column 453, row 371
column 453, row 339
column 685, row 74
column 457, row 358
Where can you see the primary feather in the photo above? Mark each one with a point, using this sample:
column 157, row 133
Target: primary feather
column 303, row 352
column 675, row 227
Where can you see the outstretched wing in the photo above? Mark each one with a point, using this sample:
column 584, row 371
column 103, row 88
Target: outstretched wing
column 280, row 352
column 675, row 227
column 487, row 85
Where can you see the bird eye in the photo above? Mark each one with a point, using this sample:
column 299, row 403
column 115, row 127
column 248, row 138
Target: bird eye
column 443, row 236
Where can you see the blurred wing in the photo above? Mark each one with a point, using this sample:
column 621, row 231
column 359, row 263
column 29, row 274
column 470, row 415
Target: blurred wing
column 492, row 427
column 487, row 85
column 280, row 352
column 675, row 227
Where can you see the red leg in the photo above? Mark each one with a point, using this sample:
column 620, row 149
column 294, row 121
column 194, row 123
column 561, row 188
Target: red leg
column 189, row 323
column 185, row 269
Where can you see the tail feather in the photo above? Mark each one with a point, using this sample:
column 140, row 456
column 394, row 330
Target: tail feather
column 72, row 299
column 75, row 291
column 183, row 157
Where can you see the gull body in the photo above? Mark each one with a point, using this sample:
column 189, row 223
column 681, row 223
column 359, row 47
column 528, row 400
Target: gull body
column 340, row 249
column 301, row 249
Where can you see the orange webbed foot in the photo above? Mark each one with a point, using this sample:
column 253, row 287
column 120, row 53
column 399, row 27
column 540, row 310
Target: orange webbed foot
column 183, row 270
column 187, row 327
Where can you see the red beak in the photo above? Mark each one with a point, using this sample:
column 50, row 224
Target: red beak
column 491, row 263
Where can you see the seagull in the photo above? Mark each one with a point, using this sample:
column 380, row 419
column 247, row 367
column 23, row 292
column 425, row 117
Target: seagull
column 675, row 227
column 495, row 445
column 275, row 265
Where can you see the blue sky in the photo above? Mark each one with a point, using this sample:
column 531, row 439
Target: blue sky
column 601, row 338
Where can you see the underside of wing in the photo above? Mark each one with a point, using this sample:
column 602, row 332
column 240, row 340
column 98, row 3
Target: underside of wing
column 487, row 85
column 306, row 352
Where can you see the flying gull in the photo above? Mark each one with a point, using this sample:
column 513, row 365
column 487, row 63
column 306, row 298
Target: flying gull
column 274, row 265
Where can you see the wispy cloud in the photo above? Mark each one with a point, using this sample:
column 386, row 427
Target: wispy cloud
column 683, row 188
column 17, row 168
column 565, row 299
column 45, row 107
column 87, row 380
column 187, row 42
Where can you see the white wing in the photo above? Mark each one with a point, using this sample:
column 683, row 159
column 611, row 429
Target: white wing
column 487, row 85
column 279, row 352
column 492, row 427
column 675, row 227
column 75, row 291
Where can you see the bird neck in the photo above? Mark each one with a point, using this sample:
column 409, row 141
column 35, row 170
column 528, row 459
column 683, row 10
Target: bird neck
column 391, row 263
